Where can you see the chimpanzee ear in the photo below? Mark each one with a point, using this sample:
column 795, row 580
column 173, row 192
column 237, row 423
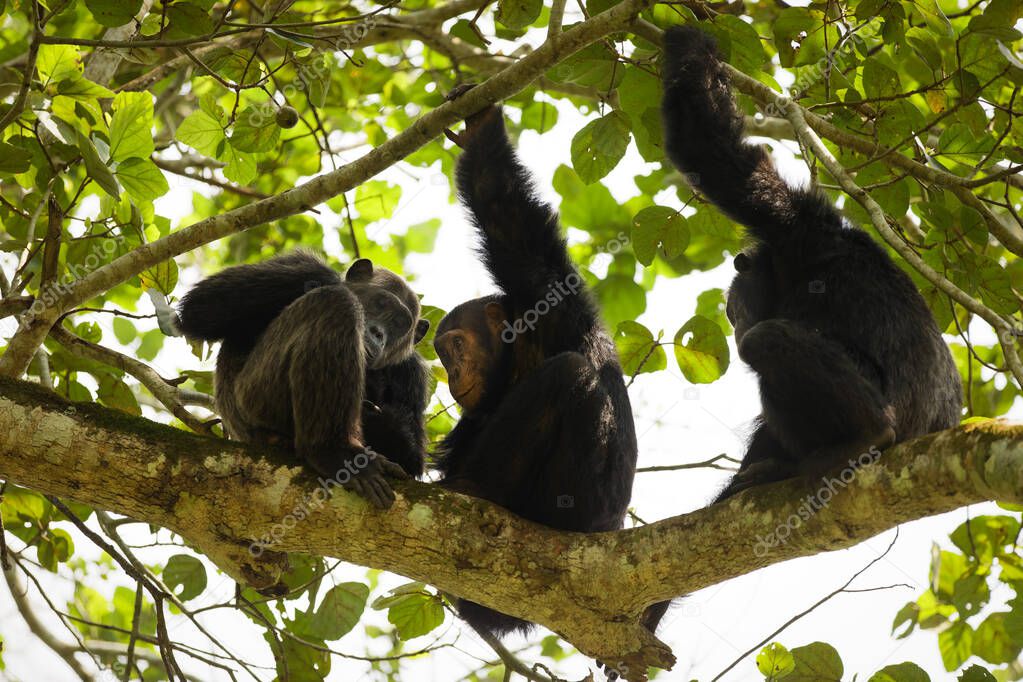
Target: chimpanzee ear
column 422, row 326
column 742, row 263
column 360, row 271
column 495, row 313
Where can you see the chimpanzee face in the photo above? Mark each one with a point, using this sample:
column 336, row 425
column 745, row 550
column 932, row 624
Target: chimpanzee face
column 751, row 297
column 391, row 309
column 468, row 343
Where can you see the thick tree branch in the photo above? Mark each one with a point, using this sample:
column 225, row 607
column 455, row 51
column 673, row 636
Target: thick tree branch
column 223, row 497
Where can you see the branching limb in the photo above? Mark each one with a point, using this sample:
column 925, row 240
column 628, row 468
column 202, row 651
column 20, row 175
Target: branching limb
column 168, row 394
column 244, row 508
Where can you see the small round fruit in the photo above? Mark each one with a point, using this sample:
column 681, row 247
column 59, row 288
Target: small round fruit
column 287, row 117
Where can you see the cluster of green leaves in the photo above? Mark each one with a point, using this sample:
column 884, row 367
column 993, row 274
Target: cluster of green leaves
column 820, row 662
column 959, row 605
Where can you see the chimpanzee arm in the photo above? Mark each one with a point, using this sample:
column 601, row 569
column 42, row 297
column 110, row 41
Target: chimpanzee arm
column 522, row 245
column 393, row 424
column 240, row 302
column 703, row 135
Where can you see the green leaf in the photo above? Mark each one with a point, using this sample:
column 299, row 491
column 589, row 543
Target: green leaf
column 791, row 26
column 774, row 661
column 539, row 116
column 659, row 226
column 975, row 673
column 995, row 641
column 711, row 304
column 163, row 277
column 54, row 548
column 640, row 97
column 57, row 63
column 907, row 616
column 339, row 612
column 879, row 80
column 415, row 614
column 376, row 200
column 142, row 179
column 241, row 166
column 202, row 132
column 14, row 159
column 115, row 393
column 189, row 20
column 255, row 129
column 124, row 330
column 638, row 350
column 24, row 503
column 817, row 662
column 620, row 298
column 185, row 572
column 970, row 594
column 82, row 89
column 462, row 30
column 114, row 13
column 421, row 237
column 599, row 146
column 131, row 127
column 517, row 14
column 95, row 167
column 701, row 350
column 152, row 342
column 901, row 672
column 955, row 644
column 741, row 43
column 595, row 66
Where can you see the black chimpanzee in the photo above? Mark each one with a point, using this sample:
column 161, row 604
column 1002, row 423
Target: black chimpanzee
column 848, row 355
column 546, row 428
column 318, row 364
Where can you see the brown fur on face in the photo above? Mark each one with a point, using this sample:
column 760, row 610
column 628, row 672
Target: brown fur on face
column 468, row 343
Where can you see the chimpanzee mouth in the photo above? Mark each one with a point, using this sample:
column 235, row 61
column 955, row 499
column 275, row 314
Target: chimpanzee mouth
column 374, row 348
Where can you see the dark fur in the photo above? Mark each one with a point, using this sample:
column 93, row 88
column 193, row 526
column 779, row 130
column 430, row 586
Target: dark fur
column 847, row 352
column 301, row 350
column 553, row 438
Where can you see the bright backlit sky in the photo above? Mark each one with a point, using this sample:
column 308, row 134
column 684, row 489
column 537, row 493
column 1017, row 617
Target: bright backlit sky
column 675, row 426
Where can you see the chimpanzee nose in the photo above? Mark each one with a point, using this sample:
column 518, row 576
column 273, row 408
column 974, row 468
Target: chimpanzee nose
column 377, row 334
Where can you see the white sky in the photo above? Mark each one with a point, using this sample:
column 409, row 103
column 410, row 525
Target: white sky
column 713, row 626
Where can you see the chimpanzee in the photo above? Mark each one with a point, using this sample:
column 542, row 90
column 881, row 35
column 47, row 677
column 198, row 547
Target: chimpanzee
column 546, row 428
column 324, row 366
column 848, row 355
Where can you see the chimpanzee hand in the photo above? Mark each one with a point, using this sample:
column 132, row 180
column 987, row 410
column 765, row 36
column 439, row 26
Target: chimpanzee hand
column 370, row 480
column 362, row 471
column 472, row 123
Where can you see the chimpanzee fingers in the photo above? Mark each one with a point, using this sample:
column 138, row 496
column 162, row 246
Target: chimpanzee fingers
column 390, row 469
column 374, row 489
column 382, row 492
column 454, row 137
column 458, row 91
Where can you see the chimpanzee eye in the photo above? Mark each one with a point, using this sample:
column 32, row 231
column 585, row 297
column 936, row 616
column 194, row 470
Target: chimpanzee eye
column 459, row 343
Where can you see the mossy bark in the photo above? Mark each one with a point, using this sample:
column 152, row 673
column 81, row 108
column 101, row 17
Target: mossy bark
column 223, row 497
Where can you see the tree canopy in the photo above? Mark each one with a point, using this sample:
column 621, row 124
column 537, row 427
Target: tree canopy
column 144, row 143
